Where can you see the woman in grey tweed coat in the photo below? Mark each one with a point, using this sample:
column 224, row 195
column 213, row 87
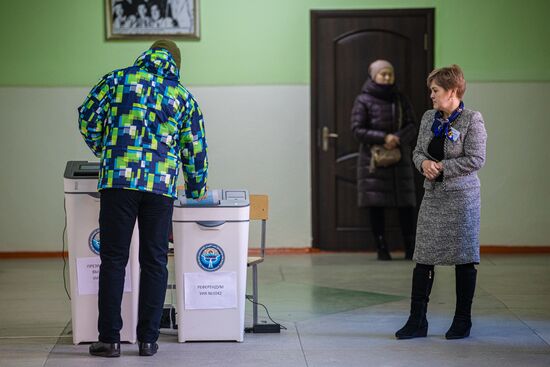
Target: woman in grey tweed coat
column 450, row 150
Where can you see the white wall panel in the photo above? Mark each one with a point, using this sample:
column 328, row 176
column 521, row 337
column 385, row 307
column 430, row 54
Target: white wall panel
column 259, row 139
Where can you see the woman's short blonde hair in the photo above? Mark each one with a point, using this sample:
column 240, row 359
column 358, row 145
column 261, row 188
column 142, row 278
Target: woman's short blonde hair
column 448, row 78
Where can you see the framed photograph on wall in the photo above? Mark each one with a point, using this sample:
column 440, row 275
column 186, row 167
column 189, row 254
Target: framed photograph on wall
column 152, row 19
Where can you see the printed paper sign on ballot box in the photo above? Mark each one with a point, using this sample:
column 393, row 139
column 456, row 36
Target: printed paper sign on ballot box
column 84, row 245
column 210, row 251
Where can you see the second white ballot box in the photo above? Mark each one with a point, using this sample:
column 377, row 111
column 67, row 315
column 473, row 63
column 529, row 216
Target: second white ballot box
column 210, row 251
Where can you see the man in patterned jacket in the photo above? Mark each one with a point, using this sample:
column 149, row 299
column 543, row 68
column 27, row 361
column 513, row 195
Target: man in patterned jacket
column 143, row 125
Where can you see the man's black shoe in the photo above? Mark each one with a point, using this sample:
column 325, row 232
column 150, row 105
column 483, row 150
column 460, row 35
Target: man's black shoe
column 148, row 349
column 101, row 349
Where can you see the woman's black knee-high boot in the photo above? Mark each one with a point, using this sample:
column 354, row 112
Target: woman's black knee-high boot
column 417, row 324
column 465, row 288
column 382, row 248
column 378, row 223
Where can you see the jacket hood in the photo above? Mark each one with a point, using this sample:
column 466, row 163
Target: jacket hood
column 159, row 62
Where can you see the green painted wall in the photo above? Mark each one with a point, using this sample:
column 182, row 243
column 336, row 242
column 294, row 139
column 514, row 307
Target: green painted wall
column 62, row 42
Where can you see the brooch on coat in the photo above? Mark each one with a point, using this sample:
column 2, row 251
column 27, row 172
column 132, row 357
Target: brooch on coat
column 444, row 127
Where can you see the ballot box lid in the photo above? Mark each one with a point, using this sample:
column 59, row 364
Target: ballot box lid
column 216, row 198
column 78, row 170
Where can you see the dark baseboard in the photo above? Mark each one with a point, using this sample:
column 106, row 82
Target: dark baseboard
column 485, row 249
column 32, row 255
column 500, row 249
column 284, row 251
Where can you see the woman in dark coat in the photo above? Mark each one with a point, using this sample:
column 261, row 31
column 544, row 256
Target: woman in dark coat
column 381, row 115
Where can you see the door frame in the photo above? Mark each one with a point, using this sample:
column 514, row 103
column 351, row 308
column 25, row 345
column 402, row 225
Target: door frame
column 315, row 138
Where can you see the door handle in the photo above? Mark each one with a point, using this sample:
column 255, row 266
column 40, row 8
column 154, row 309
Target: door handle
column 325, row 135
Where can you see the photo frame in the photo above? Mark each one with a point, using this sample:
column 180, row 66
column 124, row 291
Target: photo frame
column 151, row 19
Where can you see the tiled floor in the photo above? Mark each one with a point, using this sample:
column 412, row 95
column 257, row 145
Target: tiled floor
column 339, row 310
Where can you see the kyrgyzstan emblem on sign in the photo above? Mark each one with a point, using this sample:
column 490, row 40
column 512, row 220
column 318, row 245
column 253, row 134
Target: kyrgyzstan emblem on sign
column 210, row 257
column 93, row 241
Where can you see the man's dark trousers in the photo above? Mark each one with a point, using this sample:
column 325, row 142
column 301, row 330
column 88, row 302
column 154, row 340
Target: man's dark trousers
column 119, row 210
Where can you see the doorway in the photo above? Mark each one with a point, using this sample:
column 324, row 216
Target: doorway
column 343, row 43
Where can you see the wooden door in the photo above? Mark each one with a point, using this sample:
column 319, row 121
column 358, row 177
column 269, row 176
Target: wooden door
column 343, row 44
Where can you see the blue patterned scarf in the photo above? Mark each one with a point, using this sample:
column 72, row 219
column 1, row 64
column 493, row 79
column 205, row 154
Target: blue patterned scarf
column 442, row 126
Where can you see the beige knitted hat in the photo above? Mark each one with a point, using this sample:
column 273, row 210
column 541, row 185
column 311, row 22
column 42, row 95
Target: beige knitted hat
column 378, row 65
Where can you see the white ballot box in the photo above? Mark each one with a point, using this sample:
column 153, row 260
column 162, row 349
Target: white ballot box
column 210, row 251
column 83, row 237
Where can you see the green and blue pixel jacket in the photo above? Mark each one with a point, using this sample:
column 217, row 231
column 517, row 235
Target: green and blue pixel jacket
column 142, row 124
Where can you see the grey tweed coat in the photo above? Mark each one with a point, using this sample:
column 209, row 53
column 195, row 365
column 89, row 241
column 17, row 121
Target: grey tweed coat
column 449, row 216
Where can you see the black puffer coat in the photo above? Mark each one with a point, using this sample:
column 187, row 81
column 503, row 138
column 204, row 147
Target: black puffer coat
column 374, row 115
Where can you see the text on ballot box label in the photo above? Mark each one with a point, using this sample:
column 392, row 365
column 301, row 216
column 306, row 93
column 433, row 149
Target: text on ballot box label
column 210, row 291
column 87, row 275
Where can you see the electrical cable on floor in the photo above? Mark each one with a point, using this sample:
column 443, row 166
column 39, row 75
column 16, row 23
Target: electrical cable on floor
column 171, row 331
column 63, row 251
column 267, row 312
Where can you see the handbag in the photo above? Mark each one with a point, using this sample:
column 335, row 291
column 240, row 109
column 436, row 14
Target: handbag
column 382, row 157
